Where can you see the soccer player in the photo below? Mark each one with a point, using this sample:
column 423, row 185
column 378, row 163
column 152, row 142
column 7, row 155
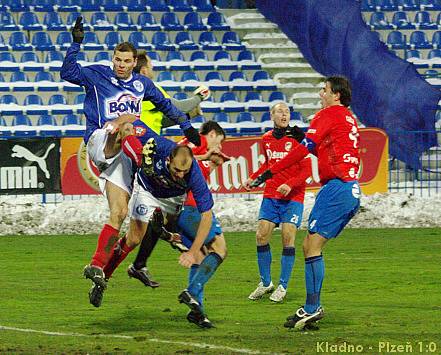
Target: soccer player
column 111, row 94
column 332, row 136
column 282, row 202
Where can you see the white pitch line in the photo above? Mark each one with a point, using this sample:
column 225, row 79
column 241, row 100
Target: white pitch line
column 154, row 340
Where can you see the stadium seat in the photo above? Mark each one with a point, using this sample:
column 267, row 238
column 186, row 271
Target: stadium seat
column 157, row 5
column 8, row 100
column 193, row 22
column 147, row 22
column 72, row 127
column 72, row 17
column 203, row 5
column 82, row 57
column 408, row 5
column 3, row 45
column 395, row 40
column 180, row 5
column 29, row 57
column 184, row 40
column 170, row 22
column 190, row 80
column 254, row 102
column 436, row 39
column 208, row 41
column 217, row 22
column 100, row 22
column 47, row 126
column 7, row 22
column 43, row 6
column 199, row 60
column 68, row 5
column 231, row 103
column 168, row 81
column 22, row 126
column 216, row 82
column 431, row 73
column 378, row 21
column 239, row 82
column 123, row 22
column 180, row 96
column 53, row 22
column 21, row 82
column 5, row 131
column 424, row 22
column 221, row 117
column 232, row 41
column 42, row 42
column 64, row 40
column 263, row 81
column 139, row 41
column 29, row 22
column 103, row 57
column 90, row 5
column 266, row 116
column 34, row 100
column 223, row 61
column 247, row 61
column 45, row 82
column 248, row 125
column 136, row 5
column 428, row 5
column 418, row 40
column 175, row 61
column 30, row 62
column 91, row 42
column 414, row 57
column 161, row 41
column 57, row 99
column 434, row 53
column 113, row 5
column 17, row 5
column 386, row 5
column 367, row 5
column 19, row 42
column 112, row 39
column 79, row 99
column 401, row 22
column 158, row 64
column 61, row 105
column 245, row 117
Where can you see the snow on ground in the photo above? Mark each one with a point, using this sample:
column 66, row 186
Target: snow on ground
column 25, row 215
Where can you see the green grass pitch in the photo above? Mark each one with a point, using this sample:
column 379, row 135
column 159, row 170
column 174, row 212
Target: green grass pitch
column 382, row 288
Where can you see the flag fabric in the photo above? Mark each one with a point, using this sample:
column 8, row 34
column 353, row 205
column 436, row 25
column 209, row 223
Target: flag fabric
column 387, row 91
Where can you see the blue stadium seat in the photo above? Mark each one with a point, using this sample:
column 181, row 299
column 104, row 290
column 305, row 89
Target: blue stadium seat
column 158, row 64
column 263, row 81
column 408, row 5
column 217, row 22
column 401, row 21
column 225, row 122
column 245, row 117
column 418, row 40
column 16, row 5
column 47, row 126
column 232, row 41
column 112, row 39
column 161, row 41
column 29, row 57
column 191, row 80
column 180, row 5
column 113, row 5
column 100, row 22
column 45, row 82
column 203, row 5
column 176, row 61
column 165, row 76
column 157, row 5
column 296, row 116
column 103, row 56
column 72, row 127
column 436, row 39
column 123, row 22
column 2, row 78
column 424, row 22
column 412, row 53
column 68, row 5
column 221, row 117
column 64, row 40
column 8, row 99
column 378, row 21
column 367, row 5
column 231, row 102
column 136, row 5
column 180, row 96
column 208, row 41
column 210, row 106
column 431, row 73
column 19, row 76
column 5, row 131
column 168, row 81
column 79, row 99
column 239, row 82
column 184, row 40
column 139, row 41
column 147, row 22
column 22, row 78
column 59, row 100
column 248, row 125
column 386, row 5
column 429, row 5
column 255, row 103
column 247, row 61
column 193, row 22
column 200, row 61
column 29, row 22
column 3, row 45
column 7, row 22
column 170, row 22
column 19, row 42
column 72, row 17
column 22, row 126
column 82, row 57
column 224, row 61
column 43, row 6
column 34, row 100
column 8, row 57
column 91, row 42
column 395, row 40
column 266, row 116
column 30, row 62
column 53, row 22
column 216, row 81
column 198, row 119
column 10, row 107
column 90, row 5
column 434, row 53
column 42, row 42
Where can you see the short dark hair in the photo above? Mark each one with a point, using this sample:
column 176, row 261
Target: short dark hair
column 142, row 60
column 126, row 47
column 340, row 84
column 208, row 126
column 178, row 148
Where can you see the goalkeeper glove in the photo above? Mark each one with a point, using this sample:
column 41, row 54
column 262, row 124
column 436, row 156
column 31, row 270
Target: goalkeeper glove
column 148, row 152
column 78, row 31
column 193, row 136
column 203, row 92
column 295, row 132
column 267, row 174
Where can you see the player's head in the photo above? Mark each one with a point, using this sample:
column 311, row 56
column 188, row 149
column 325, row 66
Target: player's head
column 124, row 60
column 144, row 65
column 179, row 162
column 214, row 133
column 280, row 115
column 337, row 91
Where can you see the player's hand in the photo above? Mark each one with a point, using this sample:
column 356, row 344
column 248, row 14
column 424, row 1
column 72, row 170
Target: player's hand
column 111, row 127
column 203, row 92
column 78, row 30
column 267, row 174
column 246, row 184
column 148, row 152
column 193, row 136
column 295, row 132
column 187, row 259
column 284, row 189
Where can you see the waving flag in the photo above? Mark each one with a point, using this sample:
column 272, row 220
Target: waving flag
column 387, row 92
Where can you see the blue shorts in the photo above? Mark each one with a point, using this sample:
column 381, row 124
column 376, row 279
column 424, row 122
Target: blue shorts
column 188, row 224
column 335, row 205
column 281, row 211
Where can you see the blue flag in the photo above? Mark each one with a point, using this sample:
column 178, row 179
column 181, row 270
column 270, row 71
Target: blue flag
column 387, row 92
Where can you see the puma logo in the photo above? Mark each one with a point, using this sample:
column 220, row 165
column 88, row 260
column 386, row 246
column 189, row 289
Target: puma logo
column 22, row 152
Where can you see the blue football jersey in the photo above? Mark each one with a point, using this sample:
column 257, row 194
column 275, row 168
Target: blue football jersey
column 108, row 97
column 161, row 184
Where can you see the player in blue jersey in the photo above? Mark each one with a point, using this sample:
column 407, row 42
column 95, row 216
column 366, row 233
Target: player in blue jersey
column 113, row 98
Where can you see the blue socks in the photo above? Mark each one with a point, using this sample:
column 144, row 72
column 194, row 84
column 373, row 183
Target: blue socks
column 264, row 259
column 287, row 263
column 200, row 274
column 314, row 274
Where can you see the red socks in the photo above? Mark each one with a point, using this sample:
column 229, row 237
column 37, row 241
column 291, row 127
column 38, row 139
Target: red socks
column 104, row 249
column 120, row 253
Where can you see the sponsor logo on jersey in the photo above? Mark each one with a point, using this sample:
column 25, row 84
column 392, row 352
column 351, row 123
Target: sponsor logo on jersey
column 356, row 191
column 275, row 155
column 142, row 209
column 311, row 131
column 138, row 85
column 114, row 81
column 288, row 146
column 140, row 131
column 124, row 103
column 347, row 158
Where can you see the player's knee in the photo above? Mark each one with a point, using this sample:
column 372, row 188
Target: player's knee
column 262, row 236
column 119, row 214
column 288, row 240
